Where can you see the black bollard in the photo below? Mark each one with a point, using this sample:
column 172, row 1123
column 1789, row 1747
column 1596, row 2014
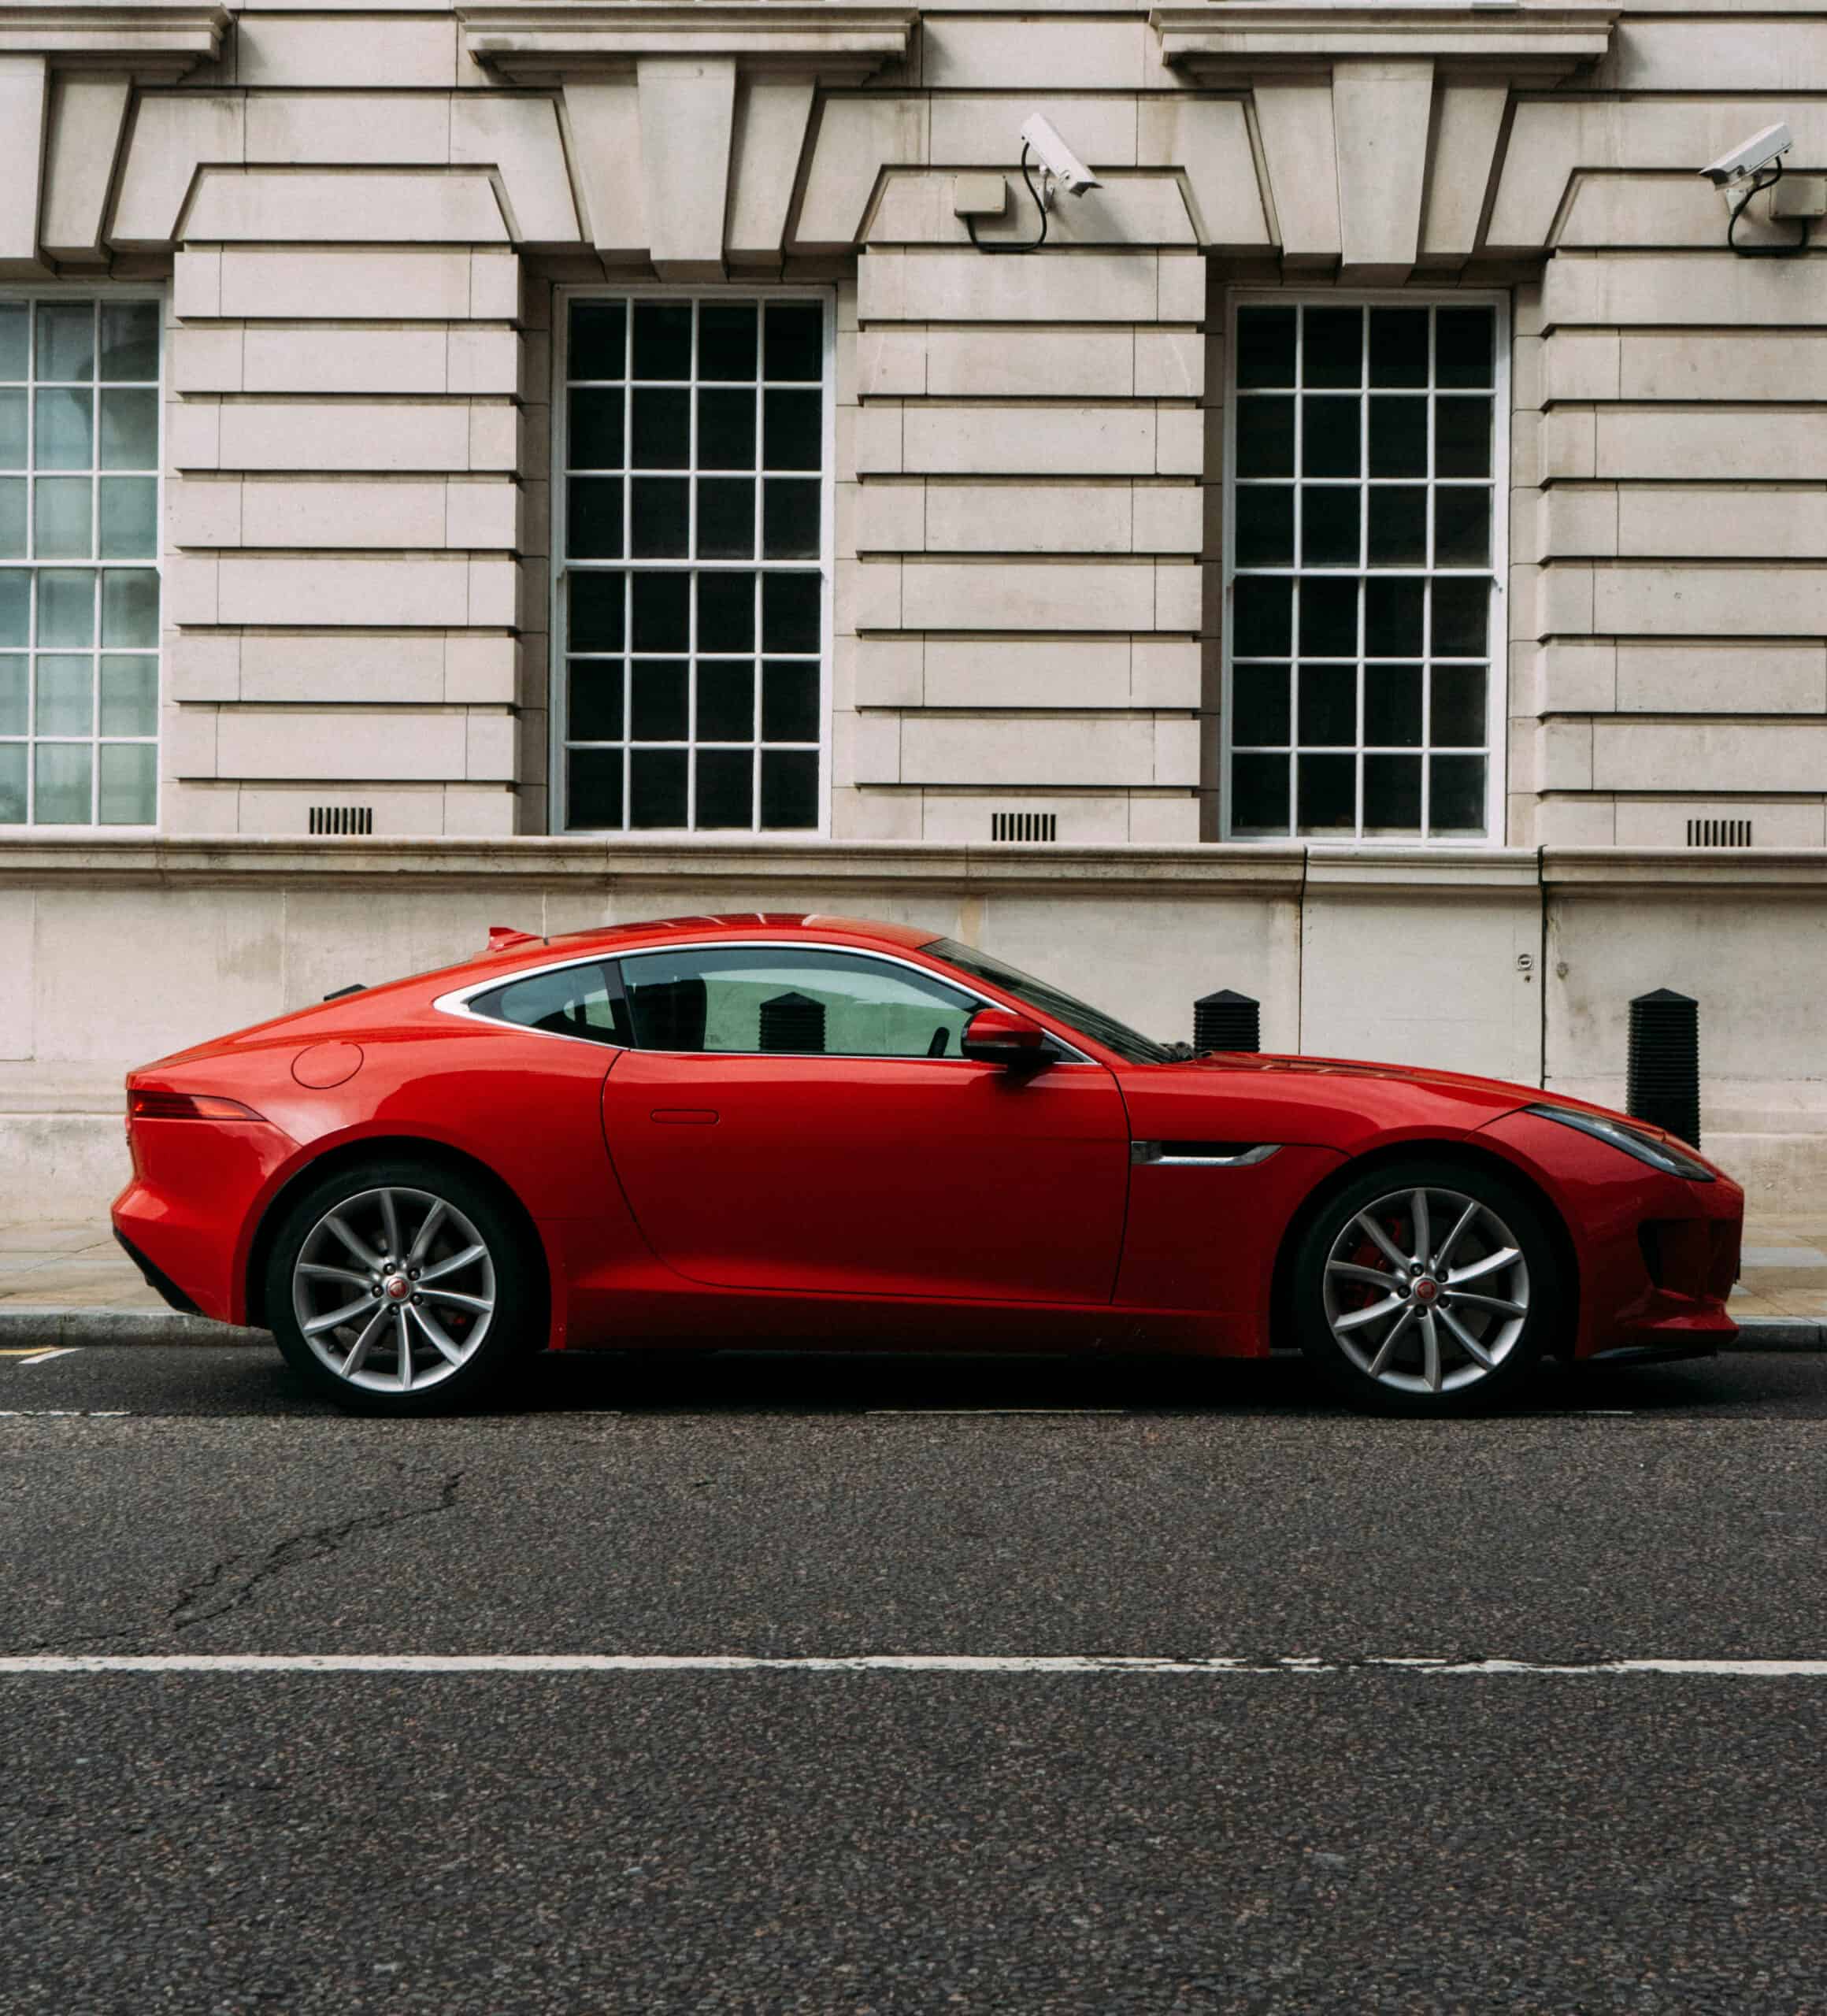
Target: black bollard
column 1663, row 1078
column 1227, row 1021
column 793, row 1022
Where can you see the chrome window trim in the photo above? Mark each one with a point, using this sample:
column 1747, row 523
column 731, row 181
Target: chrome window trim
column 1154, row 1154
column 456, row 1001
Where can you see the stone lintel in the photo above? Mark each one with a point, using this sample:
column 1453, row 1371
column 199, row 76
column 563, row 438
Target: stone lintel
column 535, row 40
column 156, row 41
column 1246, row 39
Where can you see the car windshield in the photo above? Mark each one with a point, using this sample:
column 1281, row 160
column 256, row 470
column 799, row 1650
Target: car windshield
column 1133, row 1047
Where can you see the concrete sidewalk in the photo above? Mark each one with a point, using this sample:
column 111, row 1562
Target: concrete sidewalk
column 71, row 1283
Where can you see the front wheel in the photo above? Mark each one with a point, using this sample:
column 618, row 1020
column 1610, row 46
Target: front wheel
column 400, row 1287
column 1425, row 1288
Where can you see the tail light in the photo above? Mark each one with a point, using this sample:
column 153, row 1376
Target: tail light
column 186, row 1106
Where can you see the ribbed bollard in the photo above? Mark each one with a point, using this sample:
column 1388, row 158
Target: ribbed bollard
column 1227, row 1021
column 1663, row 1078
column 793, row 1022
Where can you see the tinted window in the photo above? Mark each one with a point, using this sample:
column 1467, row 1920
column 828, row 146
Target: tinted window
column 1114, row 1036
column 757, row 999
column 575, row 1001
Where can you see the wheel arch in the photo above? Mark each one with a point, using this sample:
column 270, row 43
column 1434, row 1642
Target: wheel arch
column 1470, row 1154
column 381, row 1147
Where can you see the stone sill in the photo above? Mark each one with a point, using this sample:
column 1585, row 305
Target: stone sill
column 800, row 865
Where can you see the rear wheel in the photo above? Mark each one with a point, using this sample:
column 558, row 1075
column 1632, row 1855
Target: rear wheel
column 1426, row 1287
column 401, row 1287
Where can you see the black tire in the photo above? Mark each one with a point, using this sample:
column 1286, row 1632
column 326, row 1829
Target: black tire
column 1334, row 1296
column 510, row 1277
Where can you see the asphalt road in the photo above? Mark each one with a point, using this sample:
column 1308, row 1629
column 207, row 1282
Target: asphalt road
column 787, row 1838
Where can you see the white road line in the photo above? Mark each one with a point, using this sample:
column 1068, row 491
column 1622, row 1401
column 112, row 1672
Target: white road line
column 616, row 1662
column 65, row 1413
column 44, row 1358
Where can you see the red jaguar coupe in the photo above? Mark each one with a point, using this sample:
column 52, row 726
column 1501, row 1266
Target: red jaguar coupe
column 720, row 1130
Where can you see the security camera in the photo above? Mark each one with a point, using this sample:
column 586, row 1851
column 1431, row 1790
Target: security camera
column 1749, row 158
column 1058, row 158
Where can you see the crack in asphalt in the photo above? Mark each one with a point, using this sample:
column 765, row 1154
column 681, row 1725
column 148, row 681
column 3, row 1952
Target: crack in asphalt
column 237, row 1588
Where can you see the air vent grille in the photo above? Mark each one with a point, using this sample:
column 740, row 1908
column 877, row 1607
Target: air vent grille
column 1023, row 825
column 341, row 820
column 1719, row 832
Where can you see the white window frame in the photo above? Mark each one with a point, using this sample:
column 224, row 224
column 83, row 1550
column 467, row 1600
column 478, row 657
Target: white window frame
column 1497, row 681
column 36, row 832
column 558, row 679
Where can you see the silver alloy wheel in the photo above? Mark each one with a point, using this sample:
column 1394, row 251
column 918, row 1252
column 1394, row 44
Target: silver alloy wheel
column 1426, row 1290
column 393, row 1290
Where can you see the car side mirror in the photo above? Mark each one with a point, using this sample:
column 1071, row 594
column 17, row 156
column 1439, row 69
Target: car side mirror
column 1000, row 1036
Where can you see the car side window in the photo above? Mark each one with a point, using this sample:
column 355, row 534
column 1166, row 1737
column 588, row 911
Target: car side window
column 582, row 1001
column 752, row 999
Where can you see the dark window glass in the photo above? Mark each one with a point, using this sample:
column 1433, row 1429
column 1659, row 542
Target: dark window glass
column 1464, row 347
column 662, row 612
column 1329, row 527
column 593, row 528
column 596, row 602
column 1392, row 793
column 1265, row 346
column 1398, row 526
column 595, row 713
column 1461, row 437
column 599, row 339
column 1457, row 786
column 726, row 702
column 594, row 791
column 129, row 341
column 795, row 342
column 1392, row 618
column 1462, row 527
column 1399, row 429
column 662, row 431
column 1259, row 793
column 1262, row 618
column 660, row 509
column 1265, row 525
column 1456, row 714
column 726, row 339
column 594, row 439
column 789, row 613
column 662, row 340
column 1328, row 619
column 790, row 519
column 657, row 702
column 1398, row 346
column 1392, row 706
column 575, row 1001
column 1328, row 436
column 1264, row 437
column 1259, row 704
column 726, row 430
column 789, row 790
column 726, row 518
column 657, row 788
column 1328, row 795
column 789, row 701
column 726, row 788
column 1328, row 705
column 1459, row 610
column 792, row 430
column 1332, row 347
column 726, row 612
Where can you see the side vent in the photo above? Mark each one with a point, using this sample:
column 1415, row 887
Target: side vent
column 1719, row 832
column 341, row 820
column 1023, row 825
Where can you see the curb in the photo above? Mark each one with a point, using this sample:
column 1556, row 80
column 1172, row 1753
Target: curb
column 52, row 1325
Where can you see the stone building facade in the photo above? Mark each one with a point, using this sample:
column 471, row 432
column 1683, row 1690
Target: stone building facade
column 550, row 461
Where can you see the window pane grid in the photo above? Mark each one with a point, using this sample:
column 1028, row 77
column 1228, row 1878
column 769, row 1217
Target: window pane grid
column 692, row 606
column 1362, row 556
column 79, row 584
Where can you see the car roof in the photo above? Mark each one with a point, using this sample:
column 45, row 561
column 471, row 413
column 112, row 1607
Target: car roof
column 750, row 924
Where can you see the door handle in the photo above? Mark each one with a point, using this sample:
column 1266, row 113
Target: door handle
column 683, row 1116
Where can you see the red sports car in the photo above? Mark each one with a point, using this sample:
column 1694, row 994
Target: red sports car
column 767, row 1129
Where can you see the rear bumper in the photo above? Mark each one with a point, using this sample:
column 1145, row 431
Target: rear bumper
column 155, row 1278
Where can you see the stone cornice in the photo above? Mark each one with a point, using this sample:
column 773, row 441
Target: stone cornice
column 540, row 39
column 149, row 40
column 1237, row 40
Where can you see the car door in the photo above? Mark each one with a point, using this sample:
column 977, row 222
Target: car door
column 796, row 1117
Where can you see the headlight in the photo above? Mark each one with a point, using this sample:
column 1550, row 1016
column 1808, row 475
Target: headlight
column 1659, row 1154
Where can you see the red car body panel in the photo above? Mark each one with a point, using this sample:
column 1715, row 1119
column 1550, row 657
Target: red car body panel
column 707, row 1196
